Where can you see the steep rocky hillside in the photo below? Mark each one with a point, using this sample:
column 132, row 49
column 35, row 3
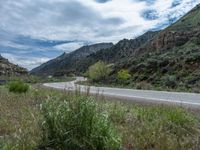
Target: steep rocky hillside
column 170, row 60
column 66, row 63
column 122, row 50
column 8, row 69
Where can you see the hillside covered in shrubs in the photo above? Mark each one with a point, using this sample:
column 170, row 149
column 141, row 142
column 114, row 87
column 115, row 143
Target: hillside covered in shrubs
column 169, row 61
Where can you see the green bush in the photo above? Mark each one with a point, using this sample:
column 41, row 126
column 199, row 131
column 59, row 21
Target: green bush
column 99, row 71
column 170, row 81
column 18, row 87
column 123, row 75
column 86, row 74
column 77, row 124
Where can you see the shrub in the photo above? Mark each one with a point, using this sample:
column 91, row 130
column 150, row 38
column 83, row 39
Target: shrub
column 170, row 81
column 86, row 74
column 77, row 124
column 123, row 75
column 99, row 71
column 18, row 87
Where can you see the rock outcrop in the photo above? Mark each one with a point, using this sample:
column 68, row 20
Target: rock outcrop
column 166, row 40
column 9, row 69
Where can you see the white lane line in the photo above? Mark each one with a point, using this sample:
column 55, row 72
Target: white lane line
column 151, row 99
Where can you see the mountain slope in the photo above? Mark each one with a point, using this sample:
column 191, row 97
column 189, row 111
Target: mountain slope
column 175, row 35
column 66, row 63
column 8, row 69
column 79, row 60
column 190, row 20
column 171, row 60
column 122, row 50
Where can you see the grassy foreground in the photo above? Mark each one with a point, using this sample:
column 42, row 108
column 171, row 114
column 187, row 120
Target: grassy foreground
column 48, row 119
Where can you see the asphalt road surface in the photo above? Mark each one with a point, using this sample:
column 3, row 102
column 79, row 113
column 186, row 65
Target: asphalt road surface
column 177, row 98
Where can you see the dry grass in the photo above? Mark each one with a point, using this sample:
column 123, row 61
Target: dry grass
column 141, row 127
column 156, row 127
column 18, row 119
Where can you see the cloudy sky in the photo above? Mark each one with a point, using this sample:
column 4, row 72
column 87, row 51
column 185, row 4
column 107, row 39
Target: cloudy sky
column 34, row 31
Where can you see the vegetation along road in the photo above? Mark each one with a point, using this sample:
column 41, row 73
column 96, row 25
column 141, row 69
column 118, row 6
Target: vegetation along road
column 178, row 98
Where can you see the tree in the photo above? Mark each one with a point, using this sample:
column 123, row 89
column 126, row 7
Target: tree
column 99, row 71
column 123, row 75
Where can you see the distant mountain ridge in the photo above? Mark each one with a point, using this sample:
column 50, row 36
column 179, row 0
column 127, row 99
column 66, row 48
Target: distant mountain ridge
column 9, row 69
column 66, row 62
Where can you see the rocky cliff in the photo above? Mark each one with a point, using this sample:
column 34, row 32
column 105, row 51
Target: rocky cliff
column 8, row 69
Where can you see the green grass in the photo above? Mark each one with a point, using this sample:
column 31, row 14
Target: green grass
column 36, row 79
column 19, row 119
column 157, row 127
column 77, row 122
column 42, row 117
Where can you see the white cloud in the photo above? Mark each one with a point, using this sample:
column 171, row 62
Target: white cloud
column 166, row 11
column 29, row 63
column 85, row 20
column 70, row 46
column 79, row 20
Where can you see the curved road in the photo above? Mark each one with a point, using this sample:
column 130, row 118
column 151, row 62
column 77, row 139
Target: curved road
column 178, row 98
